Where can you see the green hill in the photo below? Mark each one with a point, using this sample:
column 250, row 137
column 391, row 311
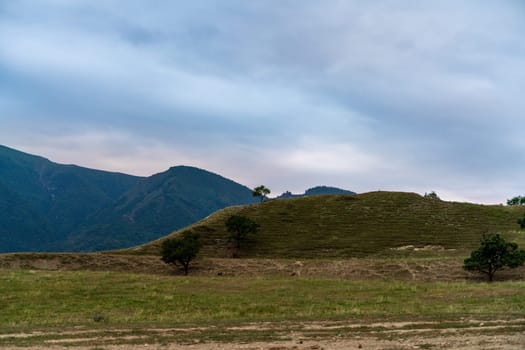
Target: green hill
column 376, row 224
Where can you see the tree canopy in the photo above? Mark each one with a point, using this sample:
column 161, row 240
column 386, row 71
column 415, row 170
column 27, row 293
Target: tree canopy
column 182, row 249
column 494, row 254
column 261, row 191
column 432, row 195
column 518, row 200
column 239, row 227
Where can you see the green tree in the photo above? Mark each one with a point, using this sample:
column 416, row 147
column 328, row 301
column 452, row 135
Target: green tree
column 239, row 227
column 182, row 249
column 432, row 195
column 494, row 254
column 518, row 200
column 261, row 191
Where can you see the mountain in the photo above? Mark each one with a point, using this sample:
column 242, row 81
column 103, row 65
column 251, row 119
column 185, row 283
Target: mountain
column 42, row 202
column 19, row 222
column 157, row 205
column 47, row 206
column 384, row 224
column 318, row 190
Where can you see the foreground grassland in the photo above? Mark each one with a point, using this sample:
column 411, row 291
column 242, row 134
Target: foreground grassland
column 56, row 299
column 125, row 311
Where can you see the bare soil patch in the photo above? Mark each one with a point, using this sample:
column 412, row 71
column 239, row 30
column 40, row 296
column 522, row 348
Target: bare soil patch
column 466, row 334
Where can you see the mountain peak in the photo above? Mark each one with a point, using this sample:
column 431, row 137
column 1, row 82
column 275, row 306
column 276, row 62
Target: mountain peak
column 317, row 190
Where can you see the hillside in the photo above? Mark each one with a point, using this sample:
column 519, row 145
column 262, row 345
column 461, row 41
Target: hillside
column 376, row 224
column 45, row 206
column 20, row 221
column 43, row 201
column 159, row 204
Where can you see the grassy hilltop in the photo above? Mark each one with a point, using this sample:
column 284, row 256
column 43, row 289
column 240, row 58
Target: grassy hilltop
column 375, row 224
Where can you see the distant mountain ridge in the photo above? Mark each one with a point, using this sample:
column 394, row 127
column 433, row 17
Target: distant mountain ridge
column 318, row 190
column 45, row 206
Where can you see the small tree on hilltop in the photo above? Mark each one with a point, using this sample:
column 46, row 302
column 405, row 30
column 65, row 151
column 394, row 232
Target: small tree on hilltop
column 261, row 191
column 494, row 254
column 239, row 227
column 432, row 195
column 518, row 200
column 182, row 249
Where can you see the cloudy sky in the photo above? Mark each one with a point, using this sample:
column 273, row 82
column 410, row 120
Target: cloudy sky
column 366, row 95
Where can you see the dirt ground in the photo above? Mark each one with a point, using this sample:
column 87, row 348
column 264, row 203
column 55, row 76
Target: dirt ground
column 469, row 335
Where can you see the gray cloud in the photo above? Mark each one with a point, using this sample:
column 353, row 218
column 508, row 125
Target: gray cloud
column 364, row 95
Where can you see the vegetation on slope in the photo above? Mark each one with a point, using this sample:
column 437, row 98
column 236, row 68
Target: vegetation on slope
column 45, row 201
column 364, row 225
column 18, row 220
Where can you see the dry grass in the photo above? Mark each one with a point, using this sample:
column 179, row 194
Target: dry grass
column 385, row 269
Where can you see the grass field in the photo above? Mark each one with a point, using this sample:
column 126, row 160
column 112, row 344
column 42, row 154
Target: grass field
column 103, row 308
column 43, row 299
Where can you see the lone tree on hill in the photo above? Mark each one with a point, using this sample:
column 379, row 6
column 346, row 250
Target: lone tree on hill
column 518, row 200
column 494, row 254
column 432, row 195
column 182, row 249
column 261, row 191
column 239, row 227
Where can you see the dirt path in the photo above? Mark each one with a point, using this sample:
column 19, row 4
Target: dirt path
column 462, row 334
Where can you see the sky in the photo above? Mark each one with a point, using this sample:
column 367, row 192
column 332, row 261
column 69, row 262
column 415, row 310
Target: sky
column 373, row 95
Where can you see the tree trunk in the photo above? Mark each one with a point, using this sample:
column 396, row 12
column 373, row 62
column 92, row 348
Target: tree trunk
column 238, row 240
